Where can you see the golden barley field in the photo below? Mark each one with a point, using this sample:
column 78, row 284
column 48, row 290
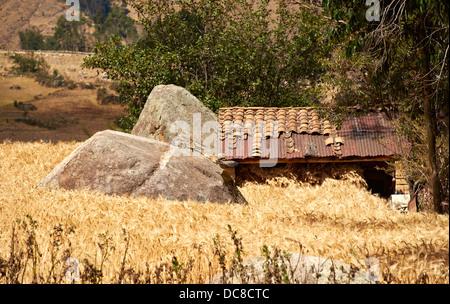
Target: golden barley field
column 136, row 238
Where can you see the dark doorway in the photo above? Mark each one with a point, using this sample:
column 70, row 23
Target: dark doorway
column 378, row 181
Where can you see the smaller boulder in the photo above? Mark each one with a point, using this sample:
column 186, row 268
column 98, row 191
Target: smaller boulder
column 293, row 268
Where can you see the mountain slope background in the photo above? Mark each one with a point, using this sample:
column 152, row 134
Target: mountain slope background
column 20, row 15
column 100, row 20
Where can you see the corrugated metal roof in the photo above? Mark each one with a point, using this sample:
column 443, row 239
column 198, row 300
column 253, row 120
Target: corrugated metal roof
column 302, row 135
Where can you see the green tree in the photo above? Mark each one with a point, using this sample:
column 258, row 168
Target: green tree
column 117, row 23
column 70, row 36
column 32, row 39
column 227, row 53
column 400, row 61
column 28, row 63
column 101, row 8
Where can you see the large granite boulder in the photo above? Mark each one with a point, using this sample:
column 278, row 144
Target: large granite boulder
column 294, row 268
column 168, row 104
column 113, row 162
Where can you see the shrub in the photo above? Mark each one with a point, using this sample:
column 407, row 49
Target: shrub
column 39, row 69
column 117, row 23
column 28, row 63
column 32, row 40
column 227, row 53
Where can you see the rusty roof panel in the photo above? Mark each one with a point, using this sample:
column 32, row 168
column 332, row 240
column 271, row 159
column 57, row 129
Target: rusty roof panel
column 372, row 122
column 369, row 144
column 368, row 135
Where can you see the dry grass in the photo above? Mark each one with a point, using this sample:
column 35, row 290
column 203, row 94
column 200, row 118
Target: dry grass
column 69, row 115
column 29, row 89
column 61, row 114
column 19, row 15
column 67, row 64
column 338, row 219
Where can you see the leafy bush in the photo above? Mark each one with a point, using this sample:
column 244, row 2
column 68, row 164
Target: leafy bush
column 96, row 7
column 70, row 36
column 227, row 53
column 117, row 23
column 32, row 39
column 28, row 63
column 39, row 69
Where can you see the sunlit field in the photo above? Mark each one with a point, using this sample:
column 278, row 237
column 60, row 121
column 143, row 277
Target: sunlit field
column 135, row 240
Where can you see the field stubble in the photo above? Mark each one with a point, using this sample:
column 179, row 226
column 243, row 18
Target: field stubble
column 129, row 240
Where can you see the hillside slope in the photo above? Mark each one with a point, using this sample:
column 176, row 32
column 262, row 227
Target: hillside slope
column 19, row 15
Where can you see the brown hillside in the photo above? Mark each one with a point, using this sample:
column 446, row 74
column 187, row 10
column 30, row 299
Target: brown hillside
column 19, row 15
